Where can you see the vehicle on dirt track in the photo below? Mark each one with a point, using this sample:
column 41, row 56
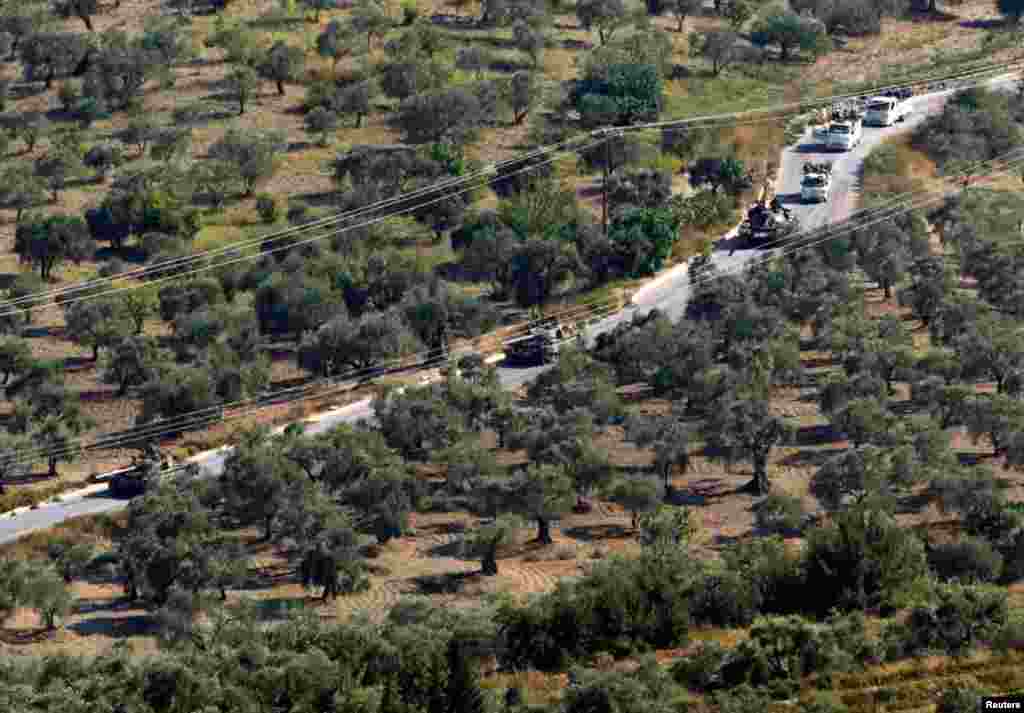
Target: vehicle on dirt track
column 816, row 184
column 766, row 224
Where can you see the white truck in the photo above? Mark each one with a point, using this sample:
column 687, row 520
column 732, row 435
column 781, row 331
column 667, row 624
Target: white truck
column 844, row 134
column 888, row 109
column 817, row 182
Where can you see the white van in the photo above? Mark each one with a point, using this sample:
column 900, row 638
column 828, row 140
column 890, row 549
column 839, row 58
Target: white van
column 886, row 111
column 843, row 135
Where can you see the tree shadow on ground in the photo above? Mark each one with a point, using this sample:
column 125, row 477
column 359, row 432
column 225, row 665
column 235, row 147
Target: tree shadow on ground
column 453, row 549
column 276, row 22
column 103, row 571
column 496, row 42
column 24, row 637
column 129, row 253
column 581, row 45
column 988, row 23
column 817, row 362
column 817, row 435
column 321, row 199
column 973, row 459
column 115, row 627
column 685, row 497
column 720, row 540
column 596, row 533
column 447, row 583
column 25, row 90
column 703, row 492
column 508, row 66
column 905, row 408
column 91, row 605
column 280, row 608
column 809, row 457
column 912, row 504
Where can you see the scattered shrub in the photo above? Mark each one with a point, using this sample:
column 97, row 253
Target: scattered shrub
column 962, row 617
column 1010, row 637
column 959, row 698
column 969, row 561
column 298, row 212
column 269, row 208
column 780, row 514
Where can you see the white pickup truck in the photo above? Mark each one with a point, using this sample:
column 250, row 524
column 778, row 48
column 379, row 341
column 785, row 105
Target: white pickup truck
column 887, row 110
column 817, row 182
column 844, row 135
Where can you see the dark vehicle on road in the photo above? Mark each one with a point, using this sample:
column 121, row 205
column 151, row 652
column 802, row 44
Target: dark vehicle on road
column 767, row 224
column 540, row 346
column 145, row 471
column 531, row 349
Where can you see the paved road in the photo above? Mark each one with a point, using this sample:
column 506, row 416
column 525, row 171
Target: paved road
column 669, row 294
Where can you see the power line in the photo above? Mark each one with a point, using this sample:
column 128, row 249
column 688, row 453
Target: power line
column 796, row 107
column 215, row 414
column 290, row 246
column 264, row 398
column 711, row 121
column 328, row 221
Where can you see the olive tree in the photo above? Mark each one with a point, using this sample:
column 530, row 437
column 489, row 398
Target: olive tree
column 242, row 84
column 97, row 324
column 719, row 47
column 486, row 539
column 446, row 115
column 370, row 19
column 282, row 63
column 335, row 42
column 682, row 9
column 356, row 344
column 82, row 9
column 746, row 428
column 604, row 16
column 21, row 189
column 545, row 493
column 523, row 93
column 47, row 242
column 253, row 155
column 636, row 495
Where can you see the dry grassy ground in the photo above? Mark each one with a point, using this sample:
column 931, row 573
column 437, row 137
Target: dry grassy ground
column 427, row 562
column 301, row 174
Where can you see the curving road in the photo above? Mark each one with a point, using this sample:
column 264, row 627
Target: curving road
column 669, row 293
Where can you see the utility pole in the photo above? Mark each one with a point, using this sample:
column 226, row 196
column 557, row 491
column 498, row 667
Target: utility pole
column 607, row 174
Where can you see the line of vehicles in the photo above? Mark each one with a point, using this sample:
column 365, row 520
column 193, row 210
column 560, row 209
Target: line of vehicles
column 842, row 129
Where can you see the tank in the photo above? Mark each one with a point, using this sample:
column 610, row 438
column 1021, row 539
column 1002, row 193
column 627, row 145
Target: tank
column 135, row 480
column 765, row 225
column 540, row 345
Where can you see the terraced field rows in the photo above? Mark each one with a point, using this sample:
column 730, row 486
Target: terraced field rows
column 918, row 687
